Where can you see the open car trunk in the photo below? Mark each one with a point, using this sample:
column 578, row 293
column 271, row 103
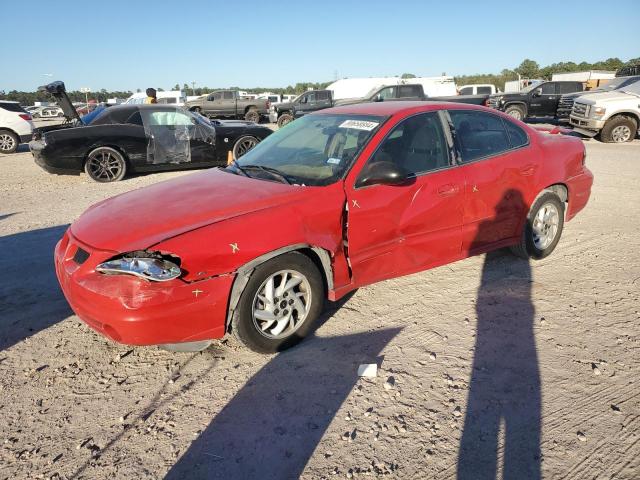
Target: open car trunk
column 58, row 91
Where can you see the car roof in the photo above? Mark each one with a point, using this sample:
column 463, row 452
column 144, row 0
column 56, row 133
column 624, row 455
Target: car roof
column 394, row 107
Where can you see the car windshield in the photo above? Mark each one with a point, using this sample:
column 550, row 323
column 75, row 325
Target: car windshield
column 313, row 150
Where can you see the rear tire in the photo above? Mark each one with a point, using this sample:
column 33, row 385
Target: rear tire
column 620, row 129
column 105, row 164
column 252, row 116
column 284, row 119
column 542, row 229
column 9, row 141
column 515, row 111
column 269, row 316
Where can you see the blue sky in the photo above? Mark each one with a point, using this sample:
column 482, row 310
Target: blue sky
column 124, row 45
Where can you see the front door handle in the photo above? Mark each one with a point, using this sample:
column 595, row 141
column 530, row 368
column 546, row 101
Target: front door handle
column 448, row 189
column 528, row 169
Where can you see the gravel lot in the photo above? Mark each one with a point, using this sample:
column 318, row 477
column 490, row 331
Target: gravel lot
column 529, row 367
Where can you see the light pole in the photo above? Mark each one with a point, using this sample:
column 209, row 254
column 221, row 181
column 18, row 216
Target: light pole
column 193, row 88
column 86, row 91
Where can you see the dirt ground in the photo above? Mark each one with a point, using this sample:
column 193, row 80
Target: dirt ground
column 489, row 366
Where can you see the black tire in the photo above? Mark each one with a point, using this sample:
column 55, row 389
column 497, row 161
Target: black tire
column 245, row 327
column 105, row 164
column 252, row 116
column 528, row 247
column 619, row 129
column 9, row 141
column 515, row 111
column 284, row 119
column 243, row 145
column 197, row 110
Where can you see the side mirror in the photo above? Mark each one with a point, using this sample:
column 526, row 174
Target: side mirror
column 537, row 92
column 382, row 173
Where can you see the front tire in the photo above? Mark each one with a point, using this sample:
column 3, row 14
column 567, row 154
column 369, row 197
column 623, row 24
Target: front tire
column 515, row 111
column 105, row 164
column 280, row 304
column 542, row 229
column 243, row 145
column 620, row 129
column 284, row 119
column 9, row 141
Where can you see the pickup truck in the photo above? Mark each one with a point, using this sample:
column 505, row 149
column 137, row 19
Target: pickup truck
column 566, row 101
column 538, row 100
column 477, row 89
column 615, row 115
column 229, row 104
column 319, row 99
column 308, row 102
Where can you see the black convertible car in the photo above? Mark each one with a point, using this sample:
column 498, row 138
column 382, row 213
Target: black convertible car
column 138, row 138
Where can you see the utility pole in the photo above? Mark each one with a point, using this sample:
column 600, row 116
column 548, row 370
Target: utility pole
column 86, row 91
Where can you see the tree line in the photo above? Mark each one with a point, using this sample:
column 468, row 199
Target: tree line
column 527, row 69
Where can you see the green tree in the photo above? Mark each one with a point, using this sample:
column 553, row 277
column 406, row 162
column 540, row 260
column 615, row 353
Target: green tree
column 528, row 68
column 407, row 75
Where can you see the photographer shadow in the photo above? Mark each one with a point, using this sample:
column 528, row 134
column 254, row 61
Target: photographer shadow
column 505, row 388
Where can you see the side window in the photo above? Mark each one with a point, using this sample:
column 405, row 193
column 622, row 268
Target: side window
column 134, row 119
column 484, row 90
column 228, row 95
column 405, row 91
column 479, row 134
column 417, row 144
column 569, row 87
column 322, row 96
column 467, row 91
column 517, row 136
column 549, row 88
column 217, row 96
column 311, row 98
column 386, row 93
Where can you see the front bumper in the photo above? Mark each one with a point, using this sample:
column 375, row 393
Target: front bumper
column 586, row 123
column 134, row 311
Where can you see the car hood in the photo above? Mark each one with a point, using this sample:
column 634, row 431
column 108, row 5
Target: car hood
column 142, row 218
column 59, row 92
column 614, row 96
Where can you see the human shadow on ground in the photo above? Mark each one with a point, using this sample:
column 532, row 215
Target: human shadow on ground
column 30, row 297
column 505, row 380
column 272, row 426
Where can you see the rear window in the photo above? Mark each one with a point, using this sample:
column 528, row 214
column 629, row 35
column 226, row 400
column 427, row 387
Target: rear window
column 466, row 91
column 517, row 136
column 12, row 107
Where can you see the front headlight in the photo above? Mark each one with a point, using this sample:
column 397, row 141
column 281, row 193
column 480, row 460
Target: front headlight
column 598, row 111
column 152, row 267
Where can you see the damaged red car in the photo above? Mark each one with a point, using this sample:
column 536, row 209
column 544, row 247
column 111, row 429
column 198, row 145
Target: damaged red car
column 334, row 201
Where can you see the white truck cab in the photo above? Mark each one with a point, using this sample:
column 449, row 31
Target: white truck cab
column 614, row 115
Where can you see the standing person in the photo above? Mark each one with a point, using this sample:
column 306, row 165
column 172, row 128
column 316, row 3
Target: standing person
column 151, row 96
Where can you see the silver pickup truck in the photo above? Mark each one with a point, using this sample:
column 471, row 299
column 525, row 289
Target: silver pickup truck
column 228, row 104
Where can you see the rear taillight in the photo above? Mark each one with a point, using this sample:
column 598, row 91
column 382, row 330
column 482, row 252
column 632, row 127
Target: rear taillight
column 25, row 116
column 486, row 102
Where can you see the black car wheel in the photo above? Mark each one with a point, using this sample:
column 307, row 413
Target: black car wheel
column 280, row 303
column 9, row 141
column 105, row 164
column 542, row 229
column 284, row 119
column 243, row 145
column 252, row 116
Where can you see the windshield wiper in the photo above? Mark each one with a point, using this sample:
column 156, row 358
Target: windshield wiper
column 273, row 171
column 236, row 165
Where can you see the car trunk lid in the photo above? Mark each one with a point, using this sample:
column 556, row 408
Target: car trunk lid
column 57, row 90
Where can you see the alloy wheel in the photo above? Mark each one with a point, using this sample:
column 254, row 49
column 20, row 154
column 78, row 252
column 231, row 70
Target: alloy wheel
column 7, row 142
column 245, row 145
column 545, row 226
column 281, row 304
column 104, row 165
column 621, row 134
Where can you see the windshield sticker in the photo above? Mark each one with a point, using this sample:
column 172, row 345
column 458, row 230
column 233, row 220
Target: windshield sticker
column 334, row 161
column 359, row 125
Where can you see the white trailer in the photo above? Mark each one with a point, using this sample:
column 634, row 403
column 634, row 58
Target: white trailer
column 591, row 79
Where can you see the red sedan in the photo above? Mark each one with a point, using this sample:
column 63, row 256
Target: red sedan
column 336, row 200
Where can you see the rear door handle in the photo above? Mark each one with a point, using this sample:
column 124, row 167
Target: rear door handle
column 529, row 169
column 448, row 189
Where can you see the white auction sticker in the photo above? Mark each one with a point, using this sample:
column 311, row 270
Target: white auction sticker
column 334, row 161
column 359, row 125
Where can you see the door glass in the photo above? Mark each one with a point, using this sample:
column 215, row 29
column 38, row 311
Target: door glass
column 228, row 95
column 548, row 89
column 484, row 90
column 517, row 136
column 478, row 134
column 386, row 93
column 405, row 91
column 467, row 91
column 167, row 134
column 417, row 145
column 569, row 87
